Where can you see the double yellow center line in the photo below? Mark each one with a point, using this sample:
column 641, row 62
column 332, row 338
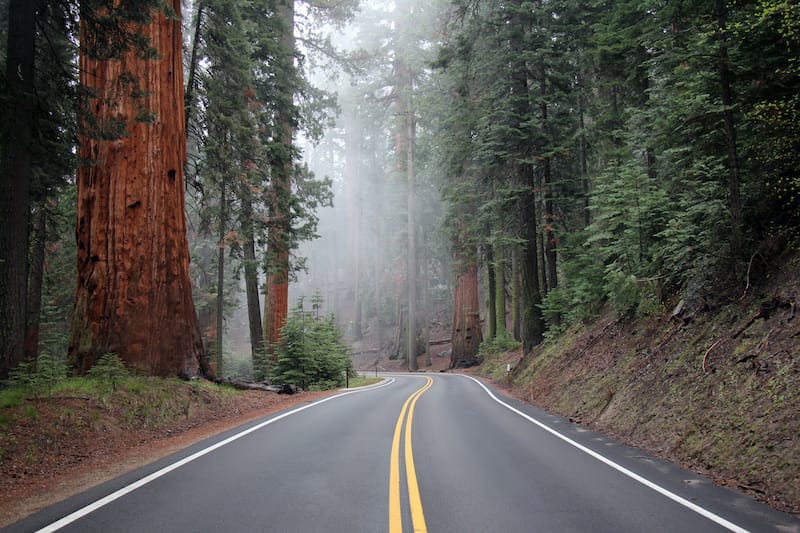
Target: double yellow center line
column 414, row 501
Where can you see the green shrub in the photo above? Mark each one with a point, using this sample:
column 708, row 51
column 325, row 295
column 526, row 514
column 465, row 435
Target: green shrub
column 497, row 345
column 41, row 375
column 11, row 397
column 109, row 369
column 310, row 353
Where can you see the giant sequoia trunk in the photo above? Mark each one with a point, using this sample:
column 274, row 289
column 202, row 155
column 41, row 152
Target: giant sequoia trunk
column 500, row 290
column 491, row 293
column 276, row 300
column 133, row 296
column 466, row 332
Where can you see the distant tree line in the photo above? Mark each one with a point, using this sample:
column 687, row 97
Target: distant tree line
column 617, row 152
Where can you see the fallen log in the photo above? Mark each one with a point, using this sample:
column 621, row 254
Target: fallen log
column 250, row 385
column 440, row 341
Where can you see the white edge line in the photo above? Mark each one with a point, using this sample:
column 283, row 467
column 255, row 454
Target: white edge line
column 80, row 513
column 661, row 490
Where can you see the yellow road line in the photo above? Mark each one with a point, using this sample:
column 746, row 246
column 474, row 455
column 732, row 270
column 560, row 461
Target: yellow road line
column 395, row 513
column 414, row 500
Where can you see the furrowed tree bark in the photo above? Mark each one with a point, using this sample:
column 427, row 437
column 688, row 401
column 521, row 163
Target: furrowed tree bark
column 276, row 305
column 219, row 360
column 35, row 282
column 15, row 181
column 549, row 237
column 531, row 321
column 491, row 293
column 466, row 333
column 251, row 281
column 515, row 292
column 500, row 290
column 133, row 296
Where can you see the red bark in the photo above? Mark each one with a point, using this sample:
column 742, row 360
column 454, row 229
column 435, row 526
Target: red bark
column 467, row 335
column 134, row 297
column 277, row 301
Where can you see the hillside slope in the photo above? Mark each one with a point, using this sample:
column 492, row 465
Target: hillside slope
column 712, row 384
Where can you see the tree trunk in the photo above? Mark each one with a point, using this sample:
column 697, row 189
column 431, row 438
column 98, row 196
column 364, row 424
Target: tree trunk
column 352, row 168
column 491, row 293
column 191, row 82
column 133, row 296
column 276, row 305
column 583, row 152
column 220, row 326
column 379, row 284
column 251, row 281
column 500, row 292
column 466, row 333
column 412, row 247
column 532, row 324
column 35, row 281
column 425, row 312
column 549, row 238
column 516, row 292
column 405, row 139
column 15, row 181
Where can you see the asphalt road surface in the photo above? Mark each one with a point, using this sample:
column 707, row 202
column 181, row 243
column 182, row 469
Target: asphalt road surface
column 438, row 453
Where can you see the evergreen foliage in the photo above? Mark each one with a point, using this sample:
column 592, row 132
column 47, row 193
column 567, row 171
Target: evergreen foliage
column 109, row 369
column 311, row 353
column 664, row 141
column 39, row 376
column 625, row 153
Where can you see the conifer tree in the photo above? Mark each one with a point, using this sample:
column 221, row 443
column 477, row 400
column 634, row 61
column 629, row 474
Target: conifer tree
column 133, row 296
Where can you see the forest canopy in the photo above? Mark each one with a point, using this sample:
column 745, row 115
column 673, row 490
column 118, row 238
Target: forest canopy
column 492, row 169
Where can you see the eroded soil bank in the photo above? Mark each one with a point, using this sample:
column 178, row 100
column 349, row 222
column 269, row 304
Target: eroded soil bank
column 713, row 384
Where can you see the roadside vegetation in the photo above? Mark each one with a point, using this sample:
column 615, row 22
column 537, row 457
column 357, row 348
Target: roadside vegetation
column 363, row 381
column 310, row 353
column 49, row 421
column 140, row 401
column 714, row 387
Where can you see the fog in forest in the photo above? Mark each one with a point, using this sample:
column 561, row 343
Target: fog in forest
column 423, row 172
column 357, row 268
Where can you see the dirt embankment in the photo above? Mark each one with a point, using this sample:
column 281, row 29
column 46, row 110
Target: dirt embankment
column 714, row 385
column 57, row 446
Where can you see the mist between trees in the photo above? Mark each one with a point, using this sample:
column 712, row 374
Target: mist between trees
column 439, row 170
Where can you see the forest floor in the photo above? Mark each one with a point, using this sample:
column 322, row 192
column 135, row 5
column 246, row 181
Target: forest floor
column 54, row 447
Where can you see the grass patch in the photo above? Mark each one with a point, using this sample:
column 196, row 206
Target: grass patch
column 12, row 397
column 363, row 381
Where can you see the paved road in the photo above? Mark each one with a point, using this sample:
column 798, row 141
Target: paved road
column 438, row 453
